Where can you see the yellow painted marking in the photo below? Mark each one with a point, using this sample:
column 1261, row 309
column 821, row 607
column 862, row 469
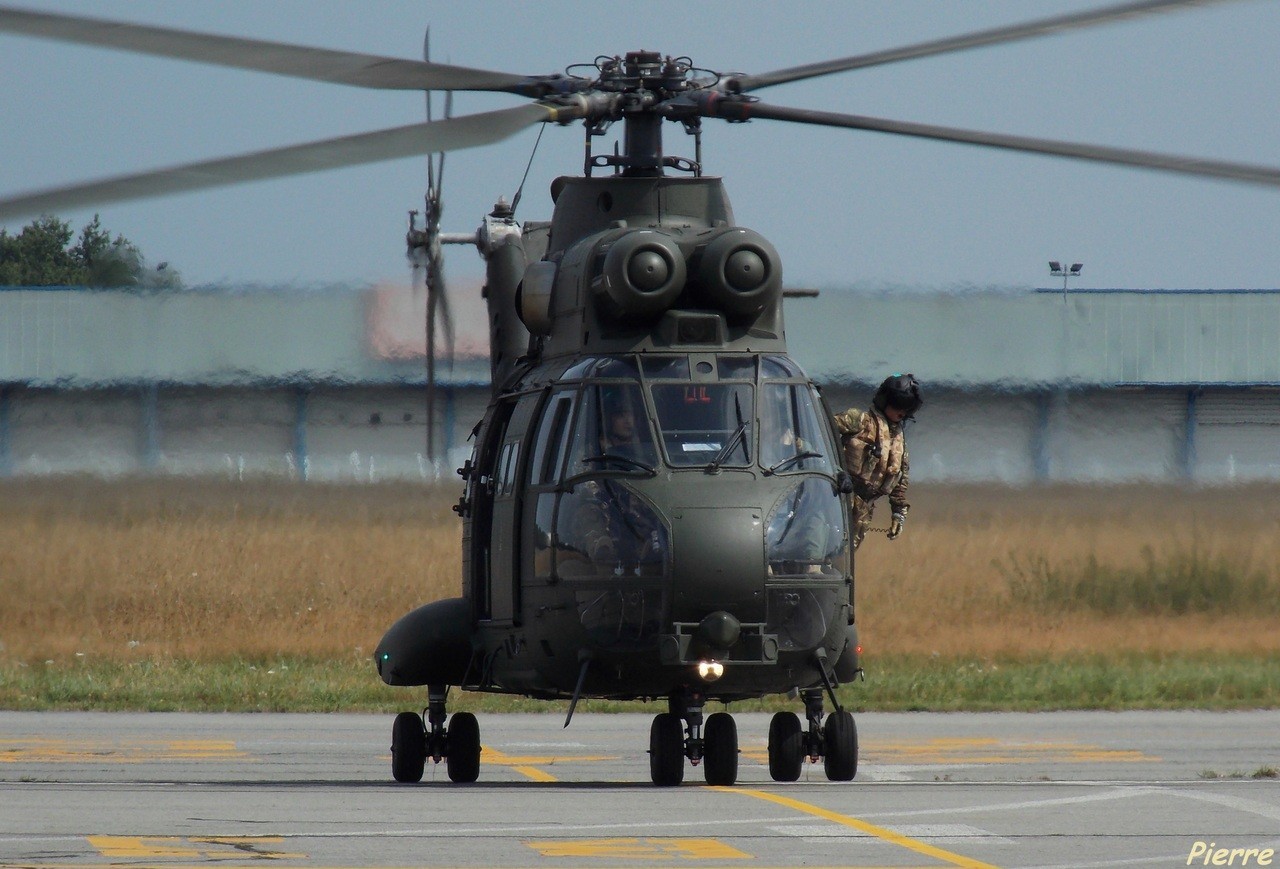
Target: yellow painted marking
column 640, row 849
column 199, row 848
column 871, row 829
column 139, row 846
column 522, row 765
column 37, row 750
column 984, row 750
column 527, row 766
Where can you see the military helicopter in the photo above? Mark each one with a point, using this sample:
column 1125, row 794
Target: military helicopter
column 654, row 508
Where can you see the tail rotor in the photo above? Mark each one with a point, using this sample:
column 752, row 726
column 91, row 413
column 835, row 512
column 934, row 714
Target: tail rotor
column 426, row 263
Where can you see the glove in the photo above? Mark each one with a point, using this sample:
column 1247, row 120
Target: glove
column 895, row 525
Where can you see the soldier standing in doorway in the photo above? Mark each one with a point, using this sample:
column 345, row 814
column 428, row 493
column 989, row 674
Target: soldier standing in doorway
column 875, row 452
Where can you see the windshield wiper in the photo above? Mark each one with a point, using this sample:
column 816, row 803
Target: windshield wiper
column 807, row 454
column 727, row 448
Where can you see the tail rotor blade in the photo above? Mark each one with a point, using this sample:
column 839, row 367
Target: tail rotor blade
column 431, row 368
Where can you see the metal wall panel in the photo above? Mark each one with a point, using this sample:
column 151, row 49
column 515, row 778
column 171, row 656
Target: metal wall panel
column 64, row 433
column 235, row 432
column 1105, row 437
column 1036, row 340
column 1023, row 340
column 1238, row 436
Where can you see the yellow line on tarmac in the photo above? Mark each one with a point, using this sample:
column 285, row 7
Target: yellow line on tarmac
column 519, row 764
column 871, row 829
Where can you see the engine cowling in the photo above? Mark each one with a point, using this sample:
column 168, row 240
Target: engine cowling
column 643, row 273
column 739, row 272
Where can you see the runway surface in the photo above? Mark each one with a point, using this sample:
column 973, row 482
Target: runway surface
column 1049, row 789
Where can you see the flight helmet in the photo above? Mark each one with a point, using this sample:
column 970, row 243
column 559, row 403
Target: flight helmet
column 900, row 391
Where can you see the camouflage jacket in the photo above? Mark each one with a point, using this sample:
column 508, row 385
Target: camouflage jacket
column 875, row 454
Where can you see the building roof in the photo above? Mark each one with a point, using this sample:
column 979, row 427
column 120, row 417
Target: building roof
column 1019, row 340
column 76, row 338
column 1042, row 338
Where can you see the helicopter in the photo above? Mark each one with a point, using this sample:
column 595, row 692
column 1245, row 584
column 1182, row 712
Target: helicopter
column 654, row 508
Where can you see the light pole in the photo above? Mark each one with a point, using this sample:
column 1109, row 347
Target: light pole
column 1057, row 271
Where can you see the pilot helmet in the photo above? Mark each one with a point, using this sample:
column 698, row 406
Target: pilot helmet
column 900, row 391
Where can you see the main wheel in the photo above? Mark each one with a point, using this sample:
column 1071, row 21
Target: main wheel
column 666, row 750
column 840, row 739
column 408, row 747
column 720, row 749
column 462, row 757
column 786, row 747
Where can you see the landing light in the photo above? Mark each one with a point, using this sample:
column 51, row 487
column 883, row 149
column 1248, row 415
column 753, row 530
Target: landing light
column 709, row 671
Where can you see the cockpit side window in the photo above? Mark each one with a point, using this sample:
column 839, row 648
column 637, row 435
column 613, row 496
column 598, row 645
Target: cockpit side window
column 548, row 450
column 705, row 423
column 779, row 366
column 791, row 430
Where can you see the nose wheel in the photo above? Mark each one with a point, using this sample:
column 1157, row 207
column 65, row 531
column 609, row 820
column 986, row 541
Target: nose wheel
column 680, row 734
column 414, row 739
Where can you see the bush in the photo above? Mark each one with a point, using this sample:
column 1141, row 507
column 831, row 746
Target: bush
column 1183, row 581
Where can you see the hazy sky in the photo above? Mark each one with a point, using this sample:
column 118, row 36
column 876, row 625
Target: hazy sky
column 844, row 208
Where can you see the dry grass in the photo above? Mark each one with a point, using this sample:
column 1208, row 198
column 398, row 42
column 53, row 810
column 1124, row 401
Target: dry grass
column 168, row 568
column 211, row 569
column 944, row 586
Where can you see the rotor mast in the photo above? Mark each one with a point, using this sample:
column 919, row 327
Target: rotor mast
column 642, row 81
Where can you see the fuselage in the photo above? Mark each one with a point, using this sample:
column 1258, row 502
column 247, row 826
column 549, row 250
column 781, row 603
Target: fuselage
column 656, row 484
column 719, row 495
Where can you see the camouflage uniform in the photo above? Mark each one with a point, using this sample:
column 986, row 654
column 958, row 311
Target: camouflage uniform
column 875, row 454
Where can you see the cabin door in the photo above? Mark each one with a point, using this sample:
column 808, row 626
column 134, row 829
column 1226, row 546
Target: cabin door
column 505, row 537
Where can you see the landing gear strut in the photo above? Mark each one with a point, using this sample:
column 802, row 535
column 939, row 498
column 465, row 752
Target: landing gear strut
column 413, row 740
column 680, row 733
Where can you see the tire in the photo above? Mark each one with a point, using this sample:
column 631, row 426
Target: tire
column 462, row 757
column 408, row 747
column 666, row 750
column 840, row 738
column 720, row 749
column 786, row 747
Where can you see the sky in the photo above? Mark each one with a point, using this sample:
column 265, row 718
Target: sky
column 846, row 209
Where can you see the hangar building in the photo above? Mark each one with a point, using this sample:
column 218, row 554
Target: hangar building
column 1021, row 386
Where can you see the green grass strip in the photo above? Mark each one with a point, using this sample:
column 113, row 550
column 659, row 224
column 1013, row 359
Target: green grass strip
column 893, row 684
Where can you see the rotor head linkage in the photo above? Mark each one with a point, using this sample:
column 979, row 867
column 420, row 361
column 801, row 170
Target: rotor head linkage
column 640, row 83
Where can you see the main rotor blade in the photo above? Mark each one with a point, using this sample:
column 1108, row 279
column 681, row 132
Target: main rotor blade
column 1197, row 166
column 994, row 36
column 319, row 64
column 414, row 140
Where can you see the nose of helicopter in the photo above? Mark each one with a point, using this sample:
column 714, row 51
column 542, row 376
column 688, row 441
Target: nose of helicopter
column 719, row 561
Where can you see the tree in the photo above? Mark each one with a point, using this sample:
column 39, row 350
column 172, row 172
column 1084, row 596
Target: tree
column 42, row 255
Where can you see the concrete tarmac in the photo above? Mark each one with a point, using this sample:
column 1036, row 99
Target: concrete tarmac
column 1075, row 789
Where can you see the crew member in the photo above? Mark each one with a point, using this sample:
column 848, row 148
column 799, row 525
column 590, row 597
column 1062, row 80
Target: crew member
column 875, row 453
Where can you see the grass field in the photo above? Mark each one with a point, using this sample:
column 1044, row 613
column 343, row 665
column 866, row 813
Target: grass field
column 179, row 594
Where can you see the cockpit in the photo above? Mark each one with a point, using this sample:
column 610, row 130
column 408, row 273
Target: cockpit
column 611, row 424
column 729, row 411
